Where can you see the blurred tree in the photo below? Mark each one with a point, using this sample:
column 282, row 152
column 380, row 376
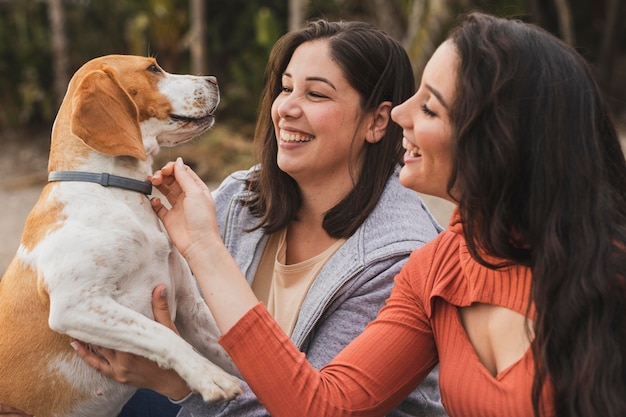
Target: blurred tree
column 24, row 52
column 296, row 13
column 599, row 34
column 427, row 24
column 232, row 40
column 56, row 17
column 564, row 14
column 240, row 35
column 167, row 31
column 609, row 47
column 420, row 25
column 197, row 37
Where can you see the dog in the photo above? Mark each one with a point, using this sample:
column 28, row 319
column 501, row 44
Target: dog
column 92, row 248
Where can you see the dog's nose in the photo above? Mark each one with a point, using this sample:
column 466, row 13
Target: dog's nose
column 212, row 79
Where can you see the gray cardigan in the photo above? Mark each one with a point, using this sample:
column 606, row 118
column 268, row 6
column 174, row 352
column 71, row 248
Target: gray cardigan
column 348, row 292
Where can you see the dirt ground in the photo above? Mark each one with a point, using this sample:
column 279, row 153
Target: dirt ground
column 23, row 171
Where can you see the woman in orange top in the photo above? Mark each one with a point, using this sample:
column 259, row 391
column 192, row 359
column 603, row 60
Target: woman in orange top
column 521, row 301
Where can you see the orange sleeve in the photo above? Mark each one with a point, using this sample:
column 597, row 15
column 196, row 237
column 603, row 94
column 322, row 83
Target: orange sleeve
column 369, row 377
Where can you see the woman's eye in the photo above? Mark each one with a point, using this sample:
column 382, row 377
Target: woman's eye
column 317, row 95
column 285, row 89
column 428, row 112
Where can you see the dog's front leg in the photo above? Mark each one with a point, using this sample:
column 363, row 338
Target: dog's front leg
column 194, row 320
column 104, row 322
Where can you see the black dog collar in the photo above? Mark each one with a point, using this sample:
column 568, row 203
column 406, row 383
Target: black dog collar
column 104, row 179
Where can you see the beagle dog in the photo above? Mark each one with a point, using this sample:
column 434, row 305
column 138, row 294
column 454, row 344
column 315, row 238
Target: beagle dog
column 92, row 248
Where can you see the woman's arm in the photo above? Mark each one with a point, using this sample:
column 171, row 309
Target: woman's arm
column 349, row 319
column 191, row 225
column 377, row 371
column 371, row 376
column 343, row 320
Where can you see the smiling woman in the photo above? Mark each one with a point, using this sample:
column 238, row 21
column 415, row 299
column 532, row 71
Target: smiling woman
column 320, row 225
column 521, row 301
column 427, row 127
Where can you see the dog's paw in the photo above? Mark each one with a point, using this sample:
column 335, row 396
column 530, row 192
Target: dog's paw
column 214, row 384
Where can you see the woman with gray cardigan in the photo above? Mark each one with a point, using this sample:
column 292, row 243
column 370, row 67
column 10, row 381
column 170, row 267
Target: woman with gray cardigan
column 322, row 225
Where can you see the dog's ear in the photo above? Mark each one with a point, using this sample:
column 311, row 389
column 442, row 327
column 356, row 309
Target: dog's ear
column 105, row 117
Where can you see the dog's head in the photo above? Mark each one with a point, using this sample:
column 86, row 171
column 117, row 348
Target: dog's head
column 124, row 105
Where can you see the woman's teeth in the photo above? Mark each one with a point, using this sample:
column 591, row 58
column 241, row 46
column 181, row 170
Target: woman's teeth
column 291, row 137
column 414, row 151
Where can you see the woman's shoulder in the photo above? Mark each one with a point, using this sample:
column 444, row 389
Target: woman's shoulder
column 236, row 180
column 402, row 214
column 234, row 185
column 231, row 190
column 436, row 266
column 443, row 249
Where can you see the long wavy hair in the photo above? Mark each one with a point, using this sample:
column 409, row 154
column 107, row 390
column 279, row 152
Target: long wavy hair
column 379, row 69
column 542, row 182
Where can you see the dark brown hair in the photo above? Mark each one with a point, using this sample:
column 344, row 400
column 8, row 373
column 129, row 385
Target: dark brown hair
column 542, row 182
column 379, row 69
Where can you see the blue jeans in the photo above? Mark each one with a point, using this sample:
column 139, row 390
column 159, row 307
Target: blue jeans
column 146, row 403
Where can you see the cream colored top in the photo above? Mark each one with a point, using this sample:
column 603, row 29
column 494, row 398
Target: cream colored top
column 282, row 287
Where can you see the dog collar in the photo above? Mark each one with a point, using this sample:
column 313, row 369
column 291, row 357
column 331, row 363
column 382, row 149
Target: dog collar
column 104, row 179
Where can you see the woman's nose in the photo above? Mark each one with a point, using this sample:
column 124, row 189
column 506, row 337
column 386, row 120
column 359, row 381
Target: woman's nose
column 396, row 113
column 400, row 112
column 289, row 105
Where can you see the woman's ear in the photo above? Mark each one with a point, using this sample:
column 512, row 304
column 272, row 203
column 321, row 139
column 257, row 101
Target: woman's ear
column 379, row 121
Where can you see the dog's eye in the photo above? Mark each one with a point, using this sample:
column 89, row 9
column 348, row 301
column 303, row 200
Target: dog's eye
column 153, row 68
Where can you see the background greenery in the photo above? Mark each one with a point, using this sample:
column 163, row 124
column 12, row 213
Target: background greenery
column 238, row 35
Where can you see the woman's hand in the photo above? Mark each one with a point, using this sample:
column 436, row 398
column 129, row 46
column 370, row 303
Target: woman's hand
column 191, row 218
column 134, row 370
column 191, row 224
column 7, row 411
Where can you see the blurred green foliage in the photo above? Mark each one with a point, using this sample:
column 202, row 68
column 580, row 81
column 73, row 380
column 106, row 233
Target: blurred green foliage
column 24, row 47
column 239, row 35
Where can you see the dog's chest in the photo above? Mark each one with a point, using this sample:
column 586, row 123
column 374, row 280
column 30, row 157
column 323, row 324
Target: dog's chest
column 99, row 238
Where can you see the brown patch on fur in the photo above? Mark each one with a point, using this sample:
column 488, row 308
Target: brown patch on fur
column 24, row 311
column 105, row 117
column 88, row 119
column 46, row 217
column 29, row 320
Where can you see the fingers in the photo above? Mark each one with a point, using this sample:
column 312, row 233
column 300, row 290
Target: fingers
column 100, row 364
column 160, row 308
column 163, row 176
column 166, row 172
column 176, row 178
column 188, row 180
column 164, row 181
column 168, row 169
column 158, row 207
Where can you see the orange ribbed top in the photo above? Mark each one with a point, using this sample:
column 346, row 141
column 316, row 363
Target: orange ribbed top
column 419, row 327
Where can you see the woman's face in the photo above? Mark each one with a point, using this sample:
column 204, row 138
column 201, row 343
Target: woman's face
column 316, row 117
column 426, row 126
